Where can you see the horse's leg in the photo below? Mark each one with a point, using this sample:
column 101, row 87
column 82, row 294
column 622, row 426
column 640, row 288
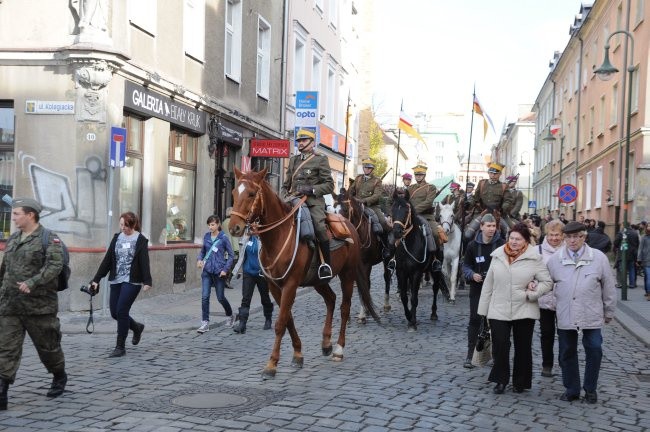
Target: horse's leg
column 434, row 306
column 387, row 277
column 402, row 286
column 285, row 299
column 347, row 288
column 453, row 281
column 366, row 270
column 415, row 288
column 330, row 303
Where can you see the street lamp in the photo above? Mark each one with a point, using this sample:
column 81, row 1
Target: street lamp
column 605, row 73
column 521, row 164
column 551, row 137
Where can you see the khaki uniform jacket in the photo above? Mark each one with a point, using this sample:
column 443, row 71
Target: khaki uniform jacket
column 315, row 172
column 517, row 198
column 369, row 191
column 24, row 261
column 493, row 196
column 422, row 196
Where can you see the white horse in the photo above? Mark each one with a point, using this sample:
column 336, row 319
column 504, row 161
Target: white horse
column 452, row 247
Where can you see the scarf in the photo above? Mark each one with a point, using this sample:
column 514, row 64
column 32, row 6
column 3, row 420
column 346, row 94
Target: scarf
column 512, row 255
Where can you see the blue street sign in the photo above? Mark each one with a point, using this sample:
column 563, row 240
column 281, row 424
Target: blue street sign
column 118, row 147
column 567, row 193
column 532, row 204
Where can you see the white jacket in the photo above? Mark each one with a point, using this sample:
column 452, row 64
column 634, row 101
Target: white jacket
column 504, row 296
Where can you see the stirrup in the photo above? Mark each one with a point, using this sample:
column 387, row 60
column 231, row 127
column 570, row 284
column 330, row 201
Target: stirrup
column 324, row 271
column 391, row 264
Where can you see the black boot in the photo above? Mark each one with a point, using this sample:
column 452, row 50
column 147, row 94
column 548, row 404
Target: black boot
column 4, row 386
column 268, row 323
column 268, row 315
column 119, row 350
column 137, row 329
column 386, row 248
column 59, row 381
column 325, row 269
column 243, row 318
column 472, row 336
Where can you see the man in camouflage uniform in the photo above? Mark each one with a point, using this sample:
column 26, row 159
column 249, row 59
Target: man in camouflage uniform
column 516, row 195
column 309, row 174
column 422, row 196
column 491, row 194
column 28, row 299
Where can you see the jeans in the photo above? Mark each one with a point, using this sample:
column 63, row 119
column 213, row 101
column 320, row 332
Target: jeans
column 547, row 335
column 123, row 296
column 592, row 341
column 646, row 279
column 522, row 364
column 248, row 287
column 631, row 272
column 208, row 280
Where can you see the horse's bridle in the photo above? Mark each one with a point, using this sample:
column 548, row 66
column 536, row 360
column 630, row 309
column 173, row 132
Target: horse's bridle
column 407, row 225
column 348, row 202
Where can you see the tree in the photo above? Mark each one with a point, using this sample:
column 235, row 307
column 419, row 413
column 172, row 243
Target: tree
column 376, row 139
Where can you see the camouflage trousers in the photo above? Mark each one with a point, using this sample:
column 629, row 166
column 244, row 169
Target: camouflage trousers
column 45, row 333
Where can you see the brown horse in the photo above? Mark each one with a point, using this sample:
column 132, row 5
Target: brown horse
column 288, row 263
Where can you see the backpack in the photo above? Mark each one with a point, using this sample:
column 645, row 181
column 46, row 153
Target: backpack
column 64, row 276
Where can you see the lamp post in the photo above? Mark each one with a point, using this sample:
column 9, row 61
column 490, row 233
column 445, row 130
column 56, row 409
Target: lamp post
column 605, row 72
column 521, row 164
column 551, row 137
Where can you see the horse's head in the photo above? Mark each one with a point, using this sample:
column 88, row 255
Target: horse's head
column 248, row 203
column 402, row 214
column 447, row 216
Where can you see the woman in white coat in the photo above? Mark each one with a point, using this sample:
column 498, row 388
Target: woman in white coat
column 512, row 308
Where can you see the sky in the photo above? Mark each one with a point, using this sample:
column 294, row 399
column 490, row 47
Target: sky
column 432, row 53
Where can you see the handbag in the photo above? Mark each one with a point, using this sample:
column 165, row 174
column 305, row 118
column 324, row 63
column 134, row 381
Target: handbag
column 483, row 351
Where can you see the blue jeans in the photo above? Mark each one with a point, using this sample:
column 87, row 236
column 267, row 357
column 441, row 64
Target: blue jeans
column 592, row 341
column 646, row 280
column 208, row 280
column 123, row 296
column 631, row 272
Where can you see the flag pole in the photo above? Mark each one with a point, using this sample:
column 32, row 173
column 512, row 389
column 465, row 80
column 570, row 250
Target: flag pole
column 399, row 135
column 345, row 151
column 469, row 154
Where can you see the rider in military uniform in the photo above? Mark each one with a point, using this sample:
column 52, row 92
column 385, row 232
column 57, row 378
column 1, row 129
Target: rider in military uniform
column 455, row 196
column 491, row 193
column 422, row 196
column 309, row 174
column 516, row 195
column 28, row 299
column 368, row 189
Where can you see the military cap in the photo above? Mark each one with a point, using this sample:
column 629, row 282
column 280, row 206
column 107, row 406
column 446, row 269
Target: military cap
column 512, row 178
column 420, row 168
column 27, row 202
column 469, row 185
column 305, row 134
column 495, row 167
column 407, row 176
column 454, row 186
column 368, row 163
column 573, row 227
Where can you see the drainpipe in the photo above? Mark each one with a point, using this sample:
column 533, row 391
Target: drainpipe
column 283, row 79
column 575, row 204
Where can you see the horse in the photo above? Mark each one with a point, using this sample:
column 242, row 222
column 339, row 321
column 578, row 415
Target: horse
column 288, row 262
column 371, row 247
column 452, row 247
column 411, row 256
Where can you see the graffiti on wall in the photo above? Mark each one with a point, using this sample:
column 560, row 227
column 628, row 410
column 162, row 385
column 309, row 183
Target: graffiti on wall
column 62, row 210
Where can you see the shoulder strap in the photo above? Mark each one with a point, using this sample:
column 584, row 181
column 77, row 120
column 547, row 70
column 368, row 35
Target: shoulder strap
column 416, row 191
column 45, row 239
column 216, row 240
column 295, row 171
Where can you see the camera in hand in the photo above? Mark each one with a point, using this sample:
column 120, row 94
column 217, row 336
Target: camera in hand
column 483, row 275
column 90, row 291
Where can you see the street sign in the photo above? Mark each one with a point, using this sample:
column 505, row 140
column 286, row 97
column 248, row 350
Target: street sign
column 532, row 204
column 118, row 147
column 567, row 193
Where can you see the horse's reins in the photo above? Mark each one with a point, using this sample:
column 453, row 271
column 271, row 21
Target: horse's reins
column 351, row 212
column 408, row 227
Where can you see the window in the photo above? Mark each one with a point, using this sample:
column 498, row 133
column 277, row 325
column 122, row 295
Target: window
column 130, row 196
column 7, row 164
column 330, row 97
column 142, row 14
column 334, row 13
column 635, row 90
column 592, row 115
column 299, row 60
column 611, row 177
column 438, row 174
column 319, row 6
column 599, row 187
column 263, row 57
column 194, row 28
column 640, row 11
column 316, row 68
column 232, row 51
column 588, row 191
column 601, row 115
column 181, row 184
column 613, row 115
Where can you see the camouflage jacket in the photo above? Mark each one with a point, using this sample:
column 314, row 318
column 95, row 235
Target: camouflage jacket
column 422, row 196
column 314, row 172
column 369, row 191
column 24, row 261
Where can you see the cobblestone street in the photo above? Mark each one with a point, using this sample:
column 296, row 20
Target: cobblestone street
column 389, row 380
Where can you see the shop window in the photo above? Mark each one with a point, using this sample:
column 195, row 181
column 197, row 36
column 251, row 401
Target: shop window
column 7, row 164
column 181, row 184
column 130, row 196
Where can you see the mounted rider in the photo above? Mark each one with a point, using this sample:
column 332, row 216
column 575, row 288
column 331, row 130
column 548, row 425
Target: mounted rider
column 517, row 196
column 368, row 189
column 309, row 174
column 422, row 195
column 455, row 196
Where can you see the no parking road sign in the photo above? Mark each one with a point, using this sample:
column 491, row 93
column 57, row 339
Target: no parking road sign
column 567, row 193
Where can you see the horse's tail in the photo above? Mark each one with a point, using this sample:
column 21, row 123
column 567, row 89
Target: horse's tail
column 363, row 285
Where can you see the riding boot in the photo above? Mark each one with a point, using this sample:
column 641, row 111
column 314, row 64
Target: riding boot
column 386, row 250
column 137, row 329
column 325, row 269
column 243, row 318
column 59, row 381
column 4, row 387
column 119, row 350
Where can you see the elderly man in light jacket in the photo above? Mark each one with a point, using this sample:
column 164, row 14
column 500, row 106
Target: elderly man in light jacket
column 586, row 299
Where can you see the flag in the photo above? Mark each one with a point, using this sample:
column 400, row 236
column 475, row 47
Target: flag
column 555, row 128
column 406, row 124
column 486, row 118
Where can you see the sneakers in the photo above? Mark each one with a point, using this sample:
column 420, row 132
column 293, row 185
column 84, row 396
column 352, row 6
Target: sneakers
column 230, row 321
column 205, row 326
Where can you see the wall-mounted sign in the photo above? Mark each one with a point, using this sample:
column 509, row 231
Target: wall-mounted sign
column 230, row 133
column 270, row 148
column 307, row 113
column 49, row 107
column 150, row 103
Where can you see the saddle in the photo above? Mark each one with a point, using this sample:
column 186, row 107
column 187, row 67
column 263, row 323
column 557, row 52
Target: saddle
column 337, row 227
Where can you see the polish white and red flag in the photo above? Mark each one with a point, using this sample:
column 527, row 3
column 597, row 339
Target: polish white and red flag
column 555, row 128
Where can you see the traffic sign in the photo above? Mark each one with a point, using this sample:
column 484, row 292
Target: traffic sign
column 532, row 204
column 118, row 147
column 567, row 193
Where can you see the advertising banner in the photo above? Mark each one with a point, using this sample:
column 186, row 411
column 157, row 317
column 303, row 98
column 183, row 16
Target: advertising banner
column 307, row 114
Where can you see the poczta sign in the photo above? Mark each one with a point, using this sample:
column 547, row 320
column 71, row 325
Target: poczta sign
column 143, row 100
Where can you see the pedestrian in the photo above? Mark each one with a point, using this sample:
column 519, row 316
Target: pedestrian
column 127, row 265
column 553, row 239
column 476, row 263
column 253, row 276
column 644, row 260
column 28, row 299
column 234, row 242
column 511, row 307
column 215, row 259
column 632, row 251
column 586, row 300
column 597, row 238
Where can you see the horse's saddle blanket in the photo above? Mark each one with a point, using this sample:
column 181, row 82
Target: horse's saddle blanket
column 337, row 226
